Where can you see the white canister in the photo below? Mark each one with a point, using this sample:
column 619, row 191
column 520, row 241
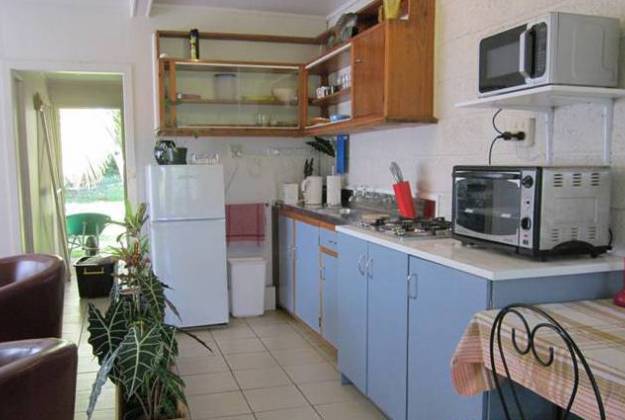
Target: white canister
column 290, row 194
column 226, row 86
column 311, row 189
column 333, row 195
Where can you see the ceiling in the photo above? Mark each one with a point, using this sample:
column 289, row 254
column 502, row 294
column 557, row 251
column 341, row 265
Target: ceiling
column 305, row 7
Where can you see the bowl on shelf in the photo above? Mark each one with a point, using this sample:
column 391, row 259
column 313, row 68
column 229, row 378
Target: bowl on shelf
column 318, row 120
column 286, row 95
column 339, row 117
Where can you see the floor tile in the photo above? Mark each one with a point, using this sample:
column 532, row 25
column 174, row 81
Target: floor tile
column 296, row 357
column 266, row 399
column 315, row 372
column 261, row 378
column 242, row 417
column 329, row 392
column 273, row 330
column 244, row 361
column 106, row 400
column 242, row 331
column 217, row 405
column 349, row 411
column 209, row 383
column 241, row 345
column 300, row 413
column 201, row 364
column 97, row 415
column 286, row 342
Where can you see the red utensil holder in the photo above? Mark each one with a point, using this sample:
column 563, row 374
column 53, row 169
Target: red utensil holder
column 403, row 195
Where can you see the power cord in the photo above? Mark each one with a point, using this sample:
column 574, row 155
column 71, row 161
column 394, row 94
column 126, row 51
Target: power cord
column 505, row 135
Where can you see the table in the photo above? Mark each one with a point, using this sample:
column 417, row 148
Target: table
column 596, row 326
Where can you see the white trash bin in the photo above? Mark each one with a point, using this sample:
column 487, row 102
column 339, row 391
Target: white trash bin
column 247, row 286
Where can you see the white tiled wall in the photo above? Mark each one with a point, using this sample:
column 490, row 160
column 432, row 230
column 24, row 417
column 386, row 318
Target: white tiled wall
column 462, row 136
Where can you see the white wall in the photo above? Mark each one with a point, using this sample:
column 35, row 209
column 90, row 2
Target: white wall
column 462, row 136
column 101, row 33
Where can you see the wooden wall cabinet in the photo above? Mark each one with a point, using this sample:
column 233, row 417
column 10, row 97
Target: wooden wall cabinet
column 383, row 76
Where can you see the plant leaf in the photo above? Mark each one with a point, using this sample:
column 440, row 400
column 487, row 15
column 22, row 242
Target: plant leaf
column 153, row 295
column 107, row 332
column 139, row 353
column 100, row 380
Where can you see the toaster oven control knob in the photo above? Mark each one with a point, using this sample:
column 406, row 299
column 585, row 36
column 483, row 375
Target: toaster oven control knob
column 527, row 181
column 526, row 223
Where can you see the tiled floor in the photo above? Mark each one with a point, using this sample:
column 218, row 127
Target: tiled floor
column 265, row 368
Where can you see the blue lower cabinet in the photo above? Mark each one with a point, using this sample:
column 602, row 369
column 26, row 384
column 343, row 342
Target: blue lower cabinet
column 329, row 305
column 352, row 310
column 387, row 272
column 442, row 301
column 307, row 282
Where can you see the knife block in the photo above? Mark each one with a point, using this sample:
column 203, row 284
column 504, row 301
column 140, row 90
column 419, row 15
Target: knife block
column 403, row 195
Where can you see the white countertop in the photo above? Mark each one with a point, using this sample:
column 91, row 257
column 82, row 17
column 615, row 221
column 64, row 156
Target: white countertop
column 486, row 263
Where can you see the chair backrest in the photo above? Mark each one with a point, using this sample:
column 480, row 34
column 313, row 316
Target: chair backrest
column 86, row 223
column 31, row 297
column 38, row 379
column 24, row 267
column 547, row 322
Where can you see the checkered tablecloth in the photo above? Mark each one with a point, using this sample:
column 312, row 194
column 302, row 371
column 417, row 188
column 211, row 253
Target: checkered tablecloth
column 598, row 328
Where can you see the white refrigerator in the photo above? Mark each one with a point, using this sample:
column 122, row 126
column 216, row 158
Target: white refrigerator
column 188, row 241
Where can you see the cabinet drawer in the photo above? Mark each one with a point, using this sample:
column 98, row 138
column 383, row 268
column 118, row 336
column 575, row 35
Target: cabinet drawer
column 327, row 239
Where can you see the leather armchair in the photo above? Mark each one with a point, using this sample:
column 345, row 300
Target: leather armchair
column 38, row 379
column 31, row 297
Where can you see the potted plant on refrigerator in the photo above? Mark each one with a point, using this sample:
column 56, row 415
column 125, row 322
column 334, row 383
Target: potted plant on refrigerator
column 136, row 349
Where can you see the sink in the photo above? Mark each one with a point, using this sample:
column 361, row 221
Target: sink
column 344, row 213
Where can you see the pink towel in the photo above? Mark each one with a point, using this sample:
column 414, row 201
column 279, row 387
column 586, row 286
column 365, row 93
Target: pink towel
column 245, row 222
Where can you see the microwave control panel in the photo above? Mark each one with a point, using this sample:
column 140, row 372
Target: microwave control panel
column 528, row 197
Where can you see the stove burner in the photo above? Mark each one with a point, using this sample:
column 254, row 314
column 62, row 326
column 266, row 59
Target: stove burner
column 413, row 227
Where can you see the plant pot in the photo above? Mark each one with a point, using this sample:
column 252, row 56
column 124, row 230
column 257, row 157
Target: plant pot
column 183, row 413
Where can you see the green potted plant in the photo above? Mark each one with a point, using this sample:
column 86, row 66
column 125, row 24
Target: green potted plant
column 136, row 349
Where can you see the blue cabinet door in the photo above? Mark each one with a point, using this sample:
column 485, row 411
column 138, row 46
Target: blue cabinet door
column 352, row 325
column 442, row 301
column 387, row 341
column 286, row 290
column 330, row 305
column 307, row 278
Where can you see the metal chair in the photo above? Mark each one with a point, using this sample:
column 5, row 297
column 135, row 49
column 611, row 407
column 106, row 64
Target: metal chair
column 549, row 324
column 82, row 226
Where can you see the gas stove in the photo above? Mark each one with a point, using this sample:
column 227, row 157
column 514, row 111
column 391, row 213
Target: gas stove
column 417, row 228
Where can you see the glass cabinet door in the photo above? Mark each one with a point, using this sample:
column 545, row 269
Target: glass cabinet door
column 226, row 95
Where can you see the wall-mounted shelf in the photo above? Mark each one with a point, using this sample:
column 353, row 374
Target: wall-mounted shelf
column 386, row 68
column 267, row 102
column 546, row 99
column 340, row 96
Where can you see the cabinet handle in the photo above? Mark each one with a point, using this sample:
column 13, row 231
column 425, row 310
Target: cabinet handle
column 370, row 268
column 361, row 269
column 413, row 286
column 358, row 60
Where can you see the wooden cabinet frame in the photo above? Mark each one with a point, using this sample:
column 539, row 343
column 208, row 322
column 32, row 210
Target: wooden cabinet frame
column 406, row 76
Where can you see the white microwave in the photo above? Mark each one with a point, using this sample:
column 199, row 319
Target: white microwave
column 556, row 49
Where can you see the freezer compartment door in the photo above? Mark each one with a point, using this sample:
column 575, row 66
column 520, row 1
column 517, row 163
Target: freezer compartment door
column 186, row 192
column 190, row 257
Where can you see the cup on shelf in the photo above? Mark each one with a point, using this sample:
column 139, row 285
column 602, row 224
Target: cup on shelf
column 262, row 119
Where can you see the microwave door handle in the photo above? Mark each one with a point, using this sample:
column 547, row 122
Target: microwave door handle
column 523, row 54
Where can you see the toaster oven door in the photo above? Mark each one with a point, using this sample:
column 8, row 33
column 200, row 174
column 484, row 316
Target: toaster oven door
column 487, row 206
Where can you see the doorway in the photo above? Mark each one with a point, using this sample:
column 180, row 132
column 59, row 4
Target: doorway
column 93, row 172
column 73, row 143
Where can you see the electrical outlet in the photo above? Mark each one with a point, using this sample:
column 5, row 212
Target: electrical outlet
column 236, row 150
column 514, row 125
